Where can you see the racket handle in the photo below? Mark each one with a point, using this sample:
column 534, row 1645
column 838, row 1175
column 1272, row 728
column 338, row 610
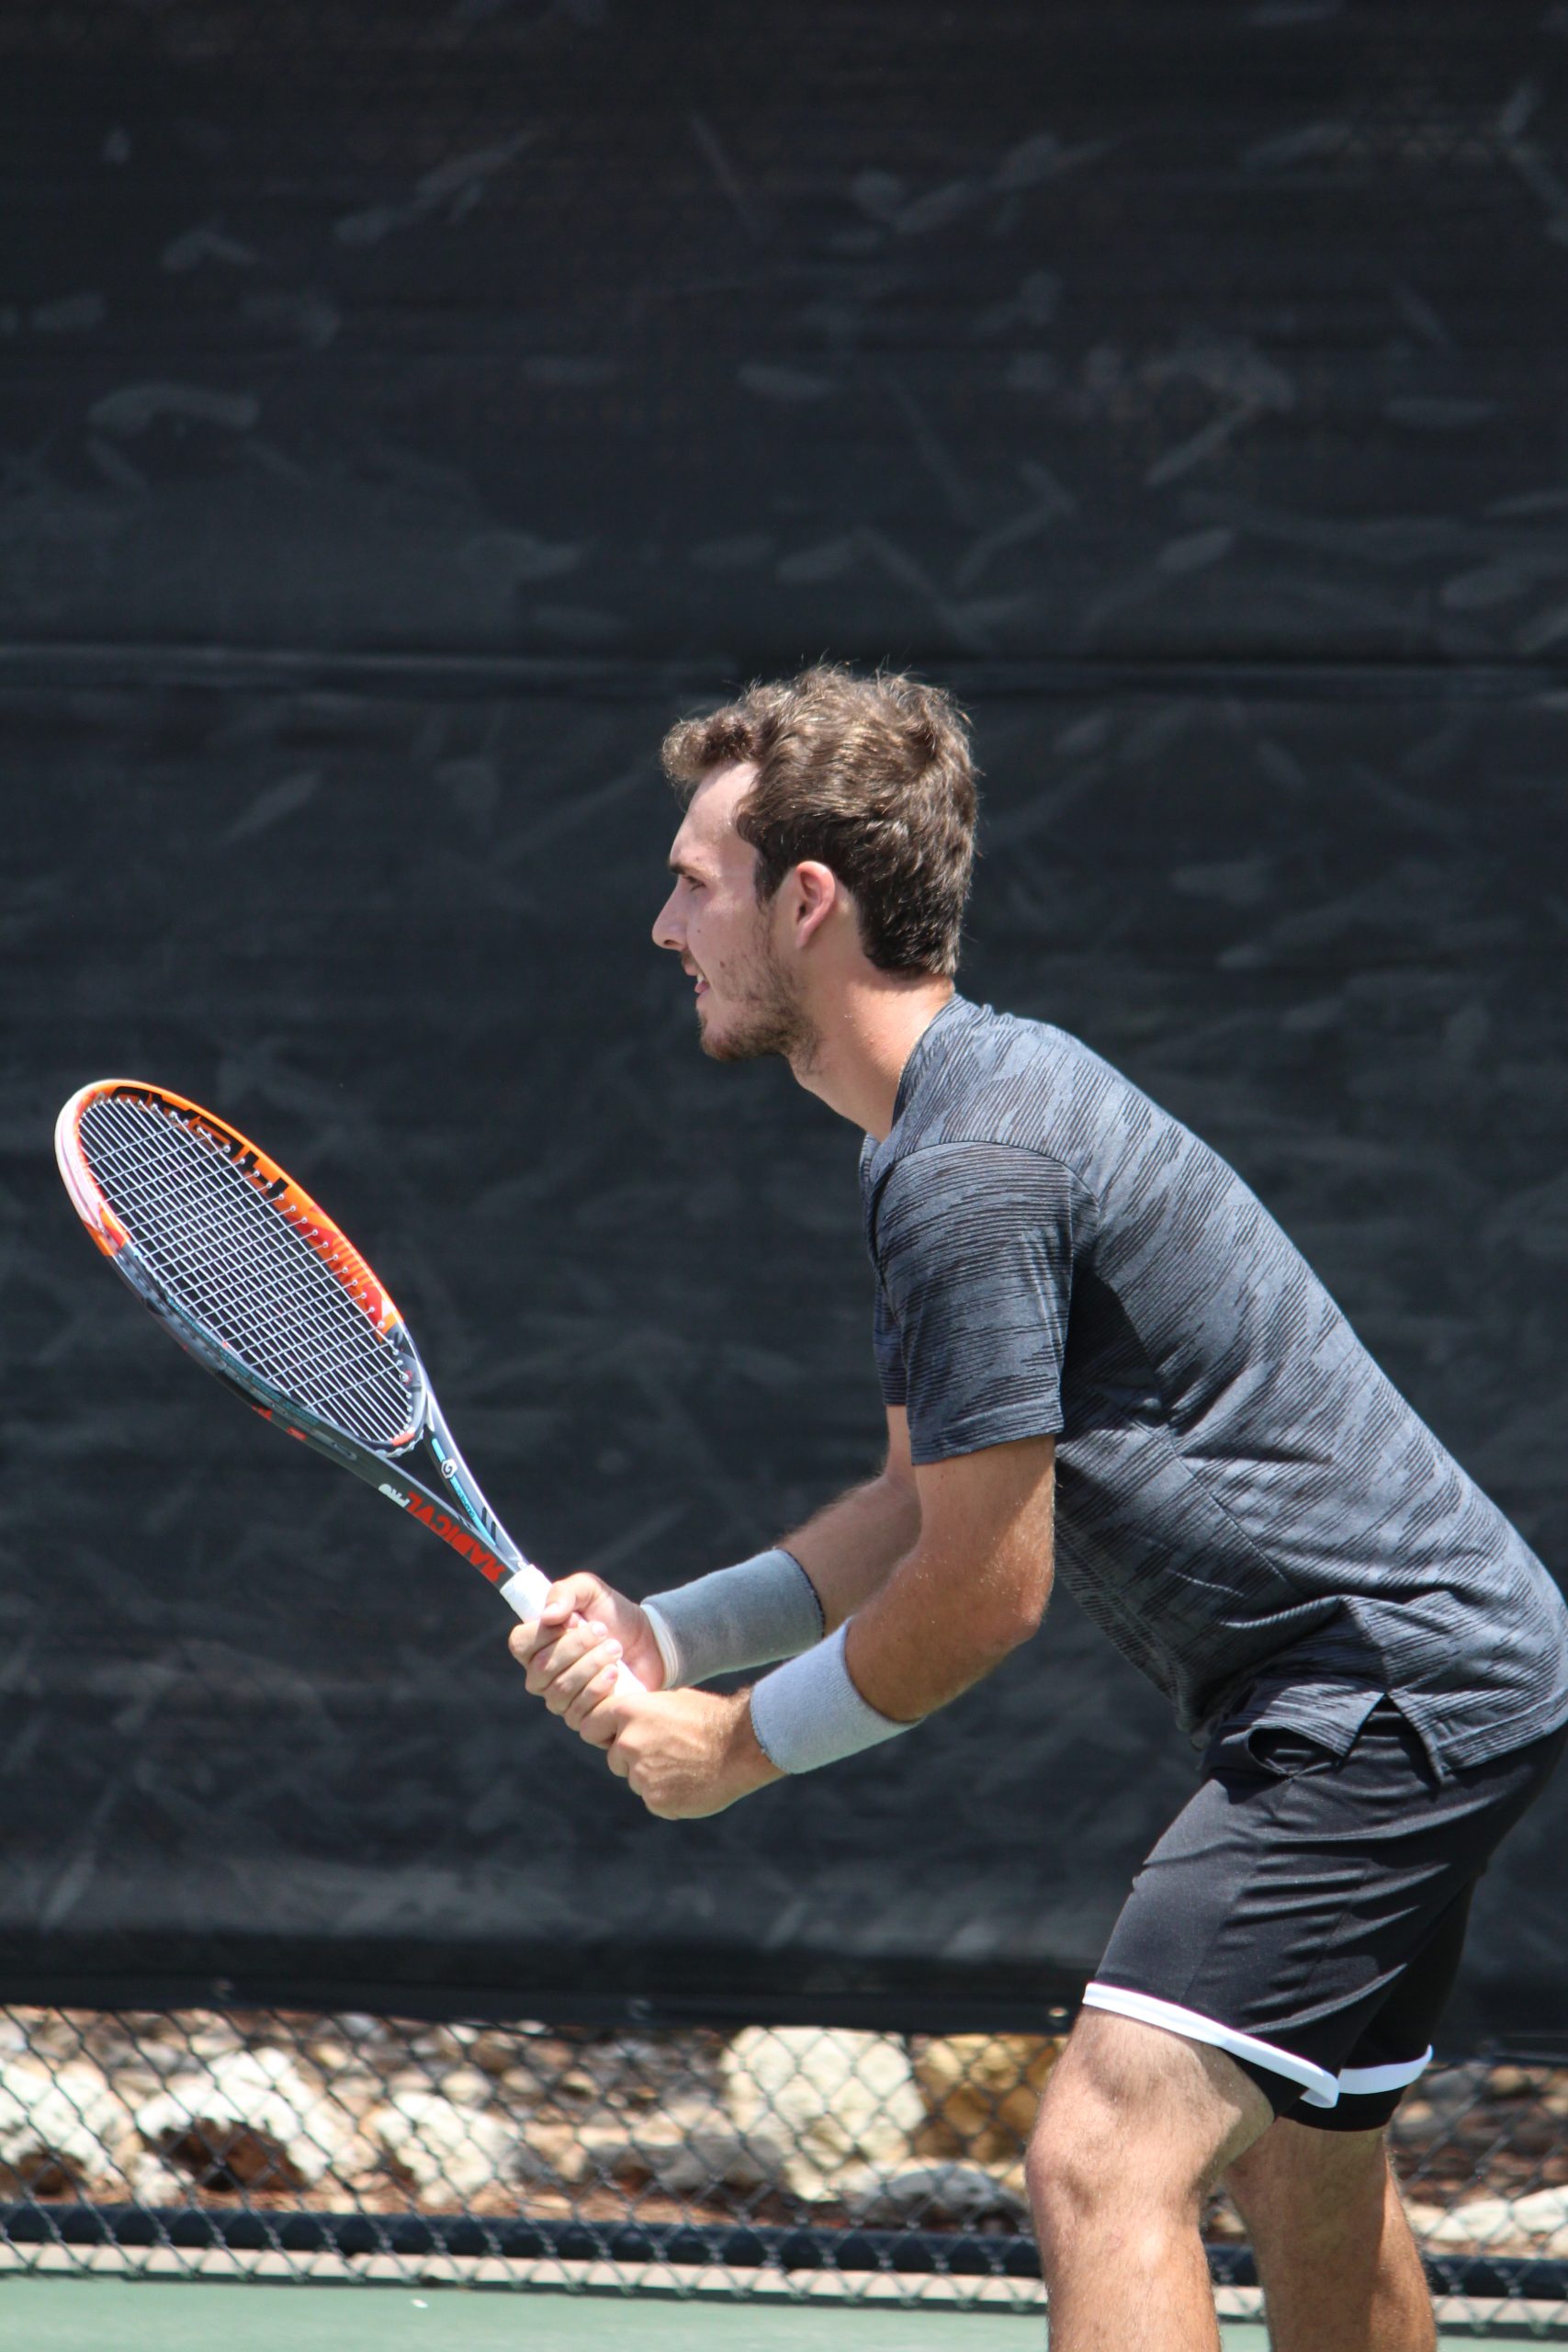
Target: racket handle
column 524, row 1591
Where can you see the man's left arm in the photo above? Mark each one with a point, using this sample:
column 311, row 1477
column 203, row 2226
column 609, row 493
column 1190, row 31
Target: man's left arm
column 973, row 1587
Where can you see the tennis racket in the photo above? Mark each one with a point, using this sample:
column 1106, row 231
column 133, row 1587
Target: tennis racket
column 254, row 1281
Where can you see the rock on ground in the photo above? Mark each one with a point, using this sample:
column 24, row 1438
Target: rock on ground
column 961, row 2195
column 436, row 2144
column 1536, row 2223
column 57, row 2127
column 692, row 2152
column 1483, row 2221
column 829, row 2097
column 250, row 2120
column 981, row 2092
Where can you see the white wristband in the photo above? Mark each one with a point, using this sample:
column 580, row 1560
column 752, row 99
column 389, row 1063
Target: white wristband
column 809, row 1713
column 762, row 1610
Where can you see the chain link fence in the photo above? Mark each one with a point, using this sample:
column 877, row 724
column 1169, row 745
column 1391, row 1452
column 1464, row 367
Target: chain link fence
column 769, row 2159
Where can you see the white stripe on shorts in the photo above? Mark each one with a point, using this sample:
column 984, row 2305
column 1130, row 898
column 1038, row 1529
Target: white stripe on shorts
column 1319, row 2087
column 1361, row 2080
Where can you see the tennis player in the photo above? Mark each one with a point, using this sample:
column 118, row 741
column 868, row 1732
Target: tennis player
column 1098, row 1353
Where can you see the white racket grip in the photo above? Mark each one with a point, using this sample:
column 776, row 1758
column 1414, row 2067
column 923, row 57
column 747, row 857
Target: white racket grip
column 524, row 1592
column 524, row 1589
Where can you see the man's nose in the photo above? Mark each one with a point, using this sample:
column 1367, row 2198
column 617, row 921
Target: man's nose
column 665, row 933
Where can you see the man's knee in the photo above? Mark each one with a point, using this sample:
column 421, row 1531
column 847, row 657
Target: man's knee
column 1074, row 2167
column 1085, row 2188
column 1132, row 2129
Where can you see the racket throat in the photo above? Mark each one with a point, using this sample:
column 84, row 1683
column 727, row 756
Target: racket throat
column 471, row 1527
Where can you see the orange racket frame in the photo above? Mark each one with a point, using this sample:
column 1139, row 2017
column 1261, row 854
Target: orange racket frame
column 446, row 1498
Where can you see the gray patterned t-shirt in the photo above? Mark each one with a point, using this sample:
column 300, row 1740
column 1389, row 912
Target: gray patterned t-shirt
column 1244, row 1502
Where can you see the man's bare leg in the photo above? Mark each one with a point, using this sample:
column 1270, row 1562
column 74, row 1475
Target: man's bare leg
column 1334, row 2253
column 1134, row 2127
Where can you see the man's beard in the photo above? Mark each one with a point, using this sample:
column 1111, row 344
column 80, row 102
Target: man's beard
column 770, row 1022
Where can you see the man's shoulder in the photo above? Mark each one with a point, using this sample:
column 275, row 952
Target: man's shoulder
column 987, row 1127
column 1009, row 1080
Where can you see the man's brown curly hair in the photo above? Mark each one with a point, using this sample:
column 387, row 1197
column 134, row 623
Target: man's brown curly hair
column 870, row 777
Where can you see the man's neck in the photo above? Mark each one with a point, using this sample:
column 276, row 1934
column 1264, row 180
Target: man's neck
column 861, row 1044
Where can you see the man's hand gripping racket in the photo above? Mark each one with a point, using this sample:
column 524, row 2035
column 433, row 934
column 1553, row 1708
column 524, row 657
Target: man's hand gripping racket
column 255, row 1282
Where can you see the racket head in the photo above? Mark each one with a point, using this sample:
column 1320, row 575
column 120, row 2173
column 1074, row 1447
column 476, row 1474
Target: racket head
column 247, row 1272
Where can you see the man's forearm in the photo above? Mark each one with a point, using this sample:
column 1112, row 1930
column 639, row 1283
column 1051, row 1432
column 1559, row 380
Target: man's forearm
column 939, row 1623
column 933, row 1630
column 970, row 1589
column 851, row 1546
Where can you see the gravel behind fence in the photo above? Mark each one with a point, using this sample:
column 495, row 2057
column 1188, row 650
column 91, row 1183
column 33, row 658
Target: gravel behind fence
column 770, row 2148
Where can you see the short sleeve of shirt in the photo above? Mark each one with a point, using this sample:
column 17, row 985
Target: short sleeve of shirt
column 889, row 1347
column 974, row 1248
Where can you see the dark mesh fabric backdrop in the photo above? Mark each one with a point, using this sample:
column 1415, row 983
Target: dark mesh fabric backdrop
column 406, row 414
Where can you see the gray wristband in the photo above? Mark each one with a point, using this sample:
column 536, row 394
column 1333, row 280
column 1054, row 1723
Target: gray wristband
column 809, row 1713
column 759, row 1611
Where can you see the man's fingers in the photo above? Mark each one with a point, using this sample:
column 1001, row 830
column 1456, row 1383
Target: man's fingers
column 554, row 1670
column 568, row 1683
column 587, row 1701
column 604, row 1713
column 546, row 1649
column 569, row 1595
column 641, row 1782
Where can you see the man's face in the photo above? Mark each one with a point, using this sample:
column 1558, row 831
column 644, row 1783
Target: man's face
column 747, row 1004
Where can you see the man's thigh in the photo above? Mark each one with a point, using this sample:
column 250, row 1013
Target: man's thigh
column 1299, row 2179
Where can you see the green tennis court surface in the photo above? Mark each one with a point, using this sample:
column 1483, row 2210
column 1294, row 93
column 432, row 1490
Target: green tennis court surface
column 116, row 2315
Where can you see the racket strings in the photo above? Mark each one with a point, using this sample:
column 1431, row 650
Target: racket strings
column 229, row 1257
column 190, row 1250
column 316, row 1356
column 276, row 1306
column 177, row 1205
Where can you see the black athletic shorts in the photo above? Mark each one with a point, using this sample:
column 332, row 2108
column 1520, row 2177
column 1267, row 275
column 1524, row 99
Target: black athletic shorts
column 1306, row 1911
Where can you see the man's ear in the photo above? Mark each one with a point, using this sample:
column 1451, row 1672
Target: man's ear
column 817, row 890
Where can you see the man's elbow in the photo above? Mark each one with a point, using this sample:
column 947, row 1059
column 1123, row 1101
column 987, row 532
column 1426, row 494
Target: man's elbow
column 1015, row 1616
column 901, row 1498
